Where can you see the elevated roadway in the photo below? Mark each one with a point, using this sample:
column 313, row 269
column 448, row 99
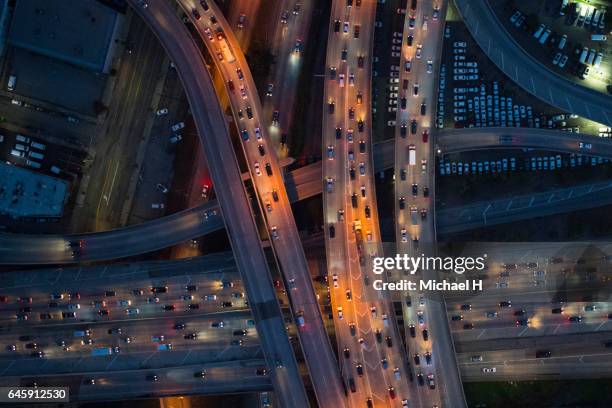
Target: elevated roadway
column 302, row 183
column 415, row 209
column 516, row 208
column 221, row 378
column 501, row 48
column 243, row 233
column 267, row 178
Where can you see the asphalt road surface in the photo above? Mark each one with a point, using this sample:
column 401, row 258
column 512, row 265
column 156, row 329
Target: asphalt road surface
column 233, row 200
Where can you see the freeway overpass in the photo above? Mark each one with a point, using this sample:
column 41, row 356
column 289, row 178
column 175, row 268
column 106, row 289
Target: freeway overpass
column 524, row 70
column 221, row 378
column 527, row 206
column 233, row 199
column 301, row 183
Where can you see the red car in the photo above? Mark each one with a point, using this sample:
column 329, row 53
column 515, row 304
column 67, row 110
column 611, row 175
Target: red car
column 425, row 136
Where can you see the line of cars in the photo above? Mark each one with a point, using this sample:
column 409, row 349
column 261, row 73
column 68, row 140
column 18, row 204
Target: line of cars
column 68, row 302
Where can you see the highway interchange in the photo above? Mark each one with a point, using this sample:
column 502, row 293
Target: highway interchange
column 349, row 206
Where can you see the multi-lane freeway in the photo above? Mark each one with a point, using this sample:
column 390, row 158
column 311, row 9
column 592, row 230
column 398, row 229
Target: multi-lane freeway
column 267, row 178
column 243, row 233
column 301, row 183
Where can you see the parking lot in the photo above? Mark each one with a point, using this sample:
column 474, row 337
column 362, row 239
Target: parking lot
column 385, row 69
column 571, row 41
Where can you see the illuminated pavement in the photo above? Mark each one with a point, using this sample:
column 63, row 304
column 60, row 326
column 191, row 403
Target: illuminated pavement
column 233, row 200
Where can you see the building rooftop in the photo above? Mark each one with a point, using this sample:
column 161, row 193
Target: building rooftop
column 75, row 31
column 24, row 193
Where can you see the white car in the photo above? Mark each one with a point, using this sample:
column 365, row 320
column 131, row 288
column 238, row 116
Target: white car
column 258, row 133
column 404, row 235
column 489, row 369
column 257, row 169
column 162, row 112
column 178, row 126
column 335, row 280
column 418, row 51
column 274, row 231
column 340, row 313
column 429, row 66
column 132, row 311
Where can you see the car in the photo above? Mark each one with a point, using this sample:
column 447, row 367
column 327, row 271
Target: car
column 297, row 47
column 522, row 322
column 152, row 378
column 159, row 289
column 196, row 14
column 169, row 308
column 557, row 310
column 359, row 369
column 241, row 20
column 488, row 370
column 391, row 392
column 347, row 352
column 162, row 112
column 409, row 40
column 413, row 126
column 177, row 126
column 408, row 65
column 575, row 319
column 268, row 169
column 425, row 335
column 491, row 314
column 431, row 381
column 543, row 354
column 418, row 51
column 415, row 91
column 425, row 136
column 389, row 341
column 257, row 168
column 420, row 379
column 352, row 385
column 505, row 303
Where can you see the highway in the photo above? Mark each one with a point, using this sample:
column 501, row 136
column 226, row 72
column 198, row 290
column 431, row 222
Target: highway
column 301, row 183
column 243, row 233
column 222, row 378
column 438, row 380
column 524, row 70
column 287, row 68
column 349, row 202
column 516, row 208
column 267, row 179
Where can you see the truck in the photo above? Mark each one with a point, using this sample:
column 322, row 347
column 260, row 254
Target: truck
column 411, row 155
column 226, row 50
column 102, row 351
column 414, row 215
column 598, row 37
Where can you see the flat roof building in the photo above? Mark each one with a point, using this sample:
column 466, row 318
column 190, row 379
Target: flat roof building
column 24, row 193
column 78, row 32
